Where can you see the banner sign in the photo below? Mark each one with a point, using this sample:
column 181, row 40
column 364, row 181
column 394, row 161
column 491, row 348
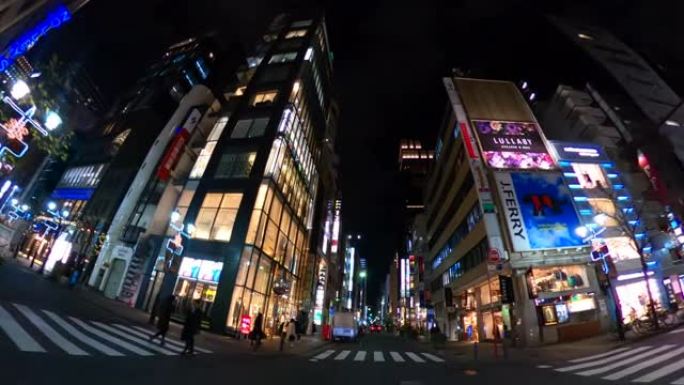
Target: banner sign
column 539, row 211
column 579, row 152
column 512, row 145
column 506, row 287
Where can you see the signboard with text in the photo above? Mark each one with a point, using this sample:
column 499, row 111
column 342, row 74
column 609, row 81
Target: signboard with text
column 539, row 211
column 512, row 145
column 579, row 152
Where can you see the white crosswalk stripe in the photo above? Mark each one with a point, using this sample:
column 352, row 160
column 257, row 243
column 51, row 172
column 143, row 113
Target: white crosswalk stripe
column 415, row 357
column 624, row 362
column 595, row 356
column 51, row 333
column 17, row 334
column 433, row 357
column 602, row 361
column 146, row 343
column 171, row 345
column 171, row 340
column 643, row 364
column 324, row 355
column 45, row 331
column 82, row 337
column 376, row 356
column 110, row 338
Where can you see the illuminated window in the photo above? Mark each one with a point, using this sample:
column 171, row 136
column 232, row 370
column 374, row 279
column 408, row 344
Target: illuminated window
column 283, row 57
column 249, row 128
column 263, row 98
column 216, row 217
column 235, row 165
column 205, row 155
column 295, row 33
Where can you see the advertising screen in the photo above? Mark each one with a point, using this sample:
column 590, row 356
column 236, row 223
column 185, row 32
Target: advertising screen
column 580, row 152
column 210, row 271
column 512, row 145
column 539, row 211
column 189, row 268
column 590, row 175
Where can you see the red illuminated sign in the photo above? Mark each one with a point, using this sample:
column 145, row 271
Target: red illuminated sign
column 468, row 142
column 172, row 155
column 245, row 324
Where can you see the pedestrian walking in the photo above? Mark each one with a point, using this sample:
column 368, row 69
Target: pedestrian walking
column 257, row 331
column 291, row 333
column 164, row 319
column 193, row 321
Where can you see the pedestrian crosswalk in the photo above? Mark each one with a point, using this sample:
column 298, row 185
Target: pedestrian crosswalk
column 45, row 331
column 376, row 356
column 660, row 364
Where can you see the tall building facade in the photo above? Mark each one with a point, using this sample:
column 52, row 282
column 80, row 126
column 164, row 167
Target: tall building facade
column 253, row 194
column 505, row 258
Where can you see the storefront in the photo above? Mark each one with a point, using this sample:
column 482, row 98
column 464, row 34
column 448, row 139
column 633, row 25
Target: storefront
column 197, row 281
column 633, row 293
column 566, row 304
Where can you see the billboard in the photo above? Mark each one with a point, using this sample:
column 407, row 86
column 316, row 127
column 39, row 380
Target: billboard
column 512, row 145
column 539, row 210
column 579, row 152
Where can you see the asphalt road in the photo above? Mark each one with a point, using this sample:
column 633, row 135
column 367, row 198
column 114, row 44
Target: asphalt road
column 53, row 335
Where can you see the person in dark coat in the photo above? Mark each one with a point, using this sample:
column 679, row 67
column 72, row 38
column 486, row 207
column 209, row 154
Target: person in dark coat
column 193, row 321
column 164, row 319
column 258, row 330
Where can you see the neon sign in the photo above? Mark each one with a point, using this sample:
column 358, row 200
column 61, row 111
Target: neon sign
column 23, row 43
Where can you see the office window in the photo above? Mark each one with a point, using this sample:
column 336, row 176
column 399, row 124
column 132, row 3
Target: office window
column 249, row 128
column 284, row 57
column 295, row 33
column 235, row 165
column 216, row 217
column 265, row 97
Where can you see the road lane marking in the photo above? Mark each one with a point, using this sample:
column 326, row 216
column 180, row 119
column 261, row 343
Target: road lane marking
column 50, row 333
column 396, row 357
column 378, row 357
column 80, row 336
column 595, row 356
column 603, row 361
column 171, row 340
column 681, row 330
column 343, row 354
column 624, row 362
column 324, row 355
column 17, row 334
column 146, row 343
column 110, row 338
column 360, row 355
column 415, row 357
column 433, row 357
column 653, row 361
column 662, row 372
column 544, row 366
column 171, row 345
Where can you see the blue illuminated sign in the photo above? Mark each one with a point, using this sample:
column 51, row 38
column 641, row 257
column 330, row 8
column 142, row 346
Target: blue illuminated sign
column 23, row 43
column 79, row 194
column 579, row 152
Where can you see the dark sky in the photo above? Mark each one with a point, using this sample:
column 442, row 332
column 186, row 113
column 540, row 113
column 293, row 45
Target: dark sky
column 389, row 61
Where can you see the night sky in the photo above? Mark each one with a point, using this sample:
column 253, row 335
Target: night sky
column 389, row 61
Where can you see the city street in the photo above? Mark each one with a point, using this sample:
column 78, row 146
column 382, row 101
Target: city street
column 51, row 333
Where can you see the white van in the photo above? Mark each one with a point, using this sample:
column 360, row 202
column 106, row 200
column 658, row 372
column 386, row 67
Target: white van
column 344, row 327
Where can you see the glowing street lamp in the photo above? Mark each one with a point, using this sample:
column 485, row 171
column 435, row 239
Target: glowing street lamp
column 19, row 89
column 52, row 206
column 52, row 120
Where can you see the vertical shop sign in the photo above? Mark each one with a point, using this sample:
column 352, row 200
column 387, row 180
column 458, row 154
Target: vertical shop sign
column 506, row 287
